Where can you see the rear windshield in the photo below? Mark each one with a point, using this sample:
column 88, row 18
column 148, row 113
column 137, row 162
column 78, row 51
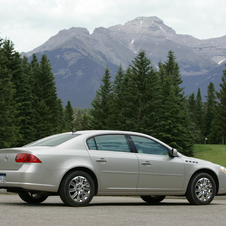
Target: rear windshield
column 53, row 140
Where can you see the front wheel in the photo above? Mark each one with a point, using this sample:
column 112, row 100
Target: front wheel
column 77, row 189
column 201, row 189
column 153, row 199
column 33, row 198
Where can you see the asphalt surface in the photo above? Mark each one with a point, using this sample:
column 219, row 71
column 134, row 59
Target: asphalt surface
column 111, row 211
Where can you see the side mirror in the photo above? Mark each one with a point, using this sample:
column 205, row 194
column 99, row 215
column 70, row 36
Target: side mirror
column 173, row 152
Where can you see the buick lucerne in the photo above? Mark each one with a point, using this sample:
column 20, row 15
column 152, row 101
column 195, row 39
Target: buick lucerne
column 79, row 165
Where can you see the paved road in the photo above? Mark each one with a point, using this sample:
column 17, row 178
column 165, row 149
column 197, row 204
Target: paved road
column 110, row 211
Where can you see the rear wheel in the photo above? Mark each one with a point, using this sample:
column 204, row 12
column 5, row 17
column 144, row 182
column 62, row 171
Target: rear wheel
column 201, row 189
column 154, row 199
column 30, row 197
column 77, row 189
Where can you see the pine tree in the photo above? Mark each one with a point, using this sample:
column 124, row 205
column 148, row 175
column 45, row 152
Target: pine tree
column 101, row 103
column 45, row 101
column 117, row 101
column 8, row 109
column 153, row 110
column 199, row 118
column 43, row 117
column 220, row 109
column 192, row 105
column 126, row 113
column 86, row 119
column 33, row 71
column 175, row 126
column 168, row 132
column 48, row 91
column 141, row 97
column 23, row 96
column 82, row 119
column 69, row 117
column 172, row 69
column 61, row 120
column 191, row 109
column 215, row 136
column 140, row 81
column 211, row 102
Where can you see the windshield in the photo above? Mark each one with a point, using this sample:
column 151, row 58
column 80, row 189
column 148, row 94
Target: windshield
column 53, row 140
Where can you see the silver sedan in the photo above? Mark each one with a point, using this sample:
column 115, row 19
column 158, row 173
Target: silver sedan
column 78, row 165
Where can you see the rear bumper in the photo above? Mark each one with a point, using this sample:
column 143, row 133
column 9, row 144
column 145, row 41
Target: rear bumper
column 31, row 177
column 19, row 187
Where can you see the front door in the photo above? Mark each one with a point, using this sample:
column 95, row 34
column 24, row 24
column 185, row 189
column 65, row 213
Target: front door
column 158, row 171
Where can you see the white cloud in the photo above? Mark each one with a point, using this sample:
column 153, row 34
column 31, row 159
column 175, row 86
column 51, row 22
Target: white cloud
column 29, row 23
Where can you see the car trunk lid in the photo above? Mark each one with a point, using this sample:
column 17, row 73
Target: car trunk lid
column 7, row 159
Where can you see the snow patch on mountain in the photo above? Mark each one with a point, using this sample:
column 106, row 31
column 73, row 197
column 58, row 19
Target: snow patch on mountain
column 222, row 61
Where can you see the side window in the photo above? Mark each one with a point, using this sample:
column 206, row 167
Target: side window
column 109, row 143
column 148, row 146
column 91, row 144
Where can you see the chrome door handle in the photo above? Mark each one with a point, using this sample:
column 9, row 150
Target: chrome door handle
column 101, row 160
column 147, row 163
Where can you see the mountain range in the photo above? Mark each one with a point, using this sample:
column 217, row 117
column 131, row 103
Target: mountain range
column 79, row 59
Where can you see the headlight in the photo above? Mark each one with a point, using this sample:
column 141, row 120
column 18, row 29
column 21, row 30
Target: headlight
column 223, row 169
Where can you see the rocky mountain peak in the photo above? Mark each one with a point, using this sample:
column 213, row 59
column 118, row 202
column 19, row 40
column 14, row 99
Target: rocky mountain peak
column 62, row 37
column 144, row 25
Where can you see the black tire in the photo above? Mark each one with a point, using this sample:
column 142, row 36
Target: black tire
column 201, row 189
column 77, row 189
column 154, row 199
column 33, row 198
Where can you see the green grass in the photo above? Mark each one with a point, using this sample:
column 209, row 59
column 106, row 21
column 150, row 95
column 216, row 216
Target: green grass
column 212, row 153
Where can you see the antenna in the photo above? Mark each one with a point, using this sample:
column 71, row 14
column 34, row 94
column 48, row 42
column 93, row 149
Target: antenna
column 73, row 131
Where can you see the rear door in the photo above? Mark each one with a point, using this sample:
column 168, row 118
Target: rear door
column 114, row 163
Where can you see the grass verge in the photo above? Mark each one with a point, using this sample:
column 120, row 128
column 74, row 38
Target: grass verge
column 212, row 153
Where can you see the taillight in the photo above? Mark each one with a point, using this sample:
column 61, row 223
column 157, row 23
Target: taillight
column 23, row 157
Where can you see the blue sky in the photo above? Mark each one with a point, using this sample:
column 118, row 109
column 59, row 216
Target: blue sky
column 29, row 23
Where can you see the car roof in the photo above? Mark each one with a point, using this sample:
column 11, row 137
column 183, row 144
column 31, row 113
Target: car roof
column 95, row 132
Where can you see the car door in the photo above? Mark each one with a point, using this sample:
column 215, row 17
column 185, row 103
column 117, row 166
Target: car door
column 158, row 171
column 115, row 165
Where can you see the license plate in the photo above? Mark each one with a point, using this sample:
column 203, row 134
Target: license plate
column 2, row 178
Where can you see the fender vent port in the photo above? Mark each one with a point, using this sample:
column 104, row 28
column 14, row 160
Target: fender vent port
column 193, row 162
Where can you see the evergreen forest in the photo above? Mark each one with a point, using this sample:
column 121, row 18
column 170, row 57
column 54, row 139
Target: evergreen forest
column 140, row 98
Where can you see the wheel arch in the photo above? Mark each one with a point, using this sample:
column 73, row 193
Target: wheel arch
column 208, row 171
column 84, row 169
